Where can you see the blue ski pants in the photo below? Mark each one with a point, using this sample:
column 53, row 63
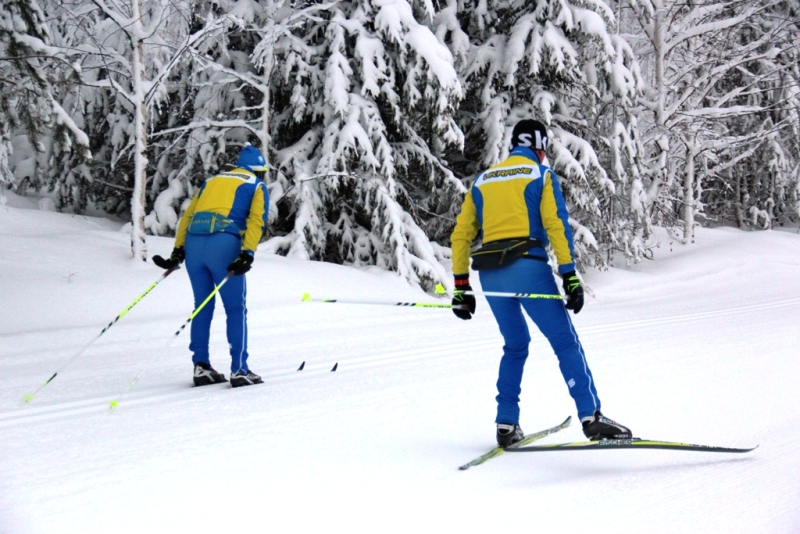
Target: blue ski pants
column 207, row 260
column 552, row 319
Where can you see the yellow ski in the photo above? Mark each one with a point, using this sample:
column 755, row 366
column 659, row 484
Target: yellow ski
column 530, row 438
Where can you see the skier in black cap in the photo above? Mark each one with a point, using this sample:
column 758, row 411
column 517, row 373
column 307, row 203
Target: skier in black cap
column 518, row 206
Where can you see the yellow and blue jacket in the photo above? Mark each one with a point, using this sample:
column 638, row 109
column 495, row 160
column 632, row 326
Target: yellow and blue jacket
column 518, row 197
column 234, row 202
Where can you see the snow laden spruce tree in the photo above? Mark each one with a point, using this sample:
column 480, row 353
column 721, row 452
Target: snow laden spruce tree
column 379, row 109
column 31, row 74
column 352, row 103
column 367, row 96
column 217, row 104
column 562, row 63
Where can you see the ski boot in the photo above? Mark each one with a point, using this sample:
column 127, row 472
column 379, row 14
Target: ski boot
column 245, row 378
column 508, row 434
column 598, row 426
column 205, row 375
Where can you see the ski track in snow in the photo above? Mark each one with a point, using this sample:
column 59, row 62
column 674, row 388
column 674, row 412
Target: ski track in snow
column 698, row 346
column 449, row 351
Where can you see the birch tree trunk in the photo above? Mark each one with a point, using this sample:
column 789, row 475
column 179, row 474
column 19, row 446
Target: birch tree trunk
column 268, row 61
column 739, row 203
column 138, row 243
column 662, row 145
column 138, row 73
column 688, row 192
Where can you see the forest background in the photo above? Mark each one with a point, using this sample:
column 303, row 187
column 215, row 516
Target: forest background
column 375, row 115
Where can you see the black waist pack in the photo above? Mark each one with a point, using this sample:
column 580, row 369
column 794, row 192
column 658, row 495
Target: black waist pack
column 501, row 253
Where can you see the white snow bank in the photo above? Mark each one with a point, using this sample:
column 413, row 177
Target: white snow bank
column 699, row 345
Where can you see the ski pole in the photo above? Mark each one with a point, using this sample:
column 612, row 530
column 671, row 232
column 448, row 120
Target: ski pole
column 114, row 403
column 307, row 298
column 510, row 295
column 29, row 396
column 440, row 290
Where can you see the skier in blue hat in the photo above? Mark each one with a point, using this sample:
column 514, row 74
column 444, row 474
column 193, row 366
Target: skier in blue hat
column 218, row 234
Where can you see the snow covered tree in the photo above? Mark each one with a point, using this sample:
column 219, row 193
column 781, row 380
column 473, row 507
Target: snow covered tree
column 369, row 95
column 128, row 52
column 756, row 184
column 374, row 114
column 29, row 70
column 562, row 63
column 224, row 102
column 711, row 66
column 355, row 100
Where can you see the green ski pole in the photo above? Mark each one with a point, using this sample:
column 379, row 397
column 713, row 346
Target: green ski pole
column 29, row 396
column 307, row 298
column 114, row 403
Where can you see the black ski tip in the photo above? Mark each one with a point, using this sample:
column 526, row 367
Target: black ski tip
column 335, row 366
column 301, row 366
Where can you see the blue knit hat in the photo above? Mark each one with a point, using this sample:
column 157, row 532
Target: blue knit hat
column 251, row 159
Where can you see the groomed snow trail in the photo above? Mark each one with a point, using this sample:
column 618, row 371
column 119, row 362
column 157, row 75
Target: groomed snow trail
column 700, row 345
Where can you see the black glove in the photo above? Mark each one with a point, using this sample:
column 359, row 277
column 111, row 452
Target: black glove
column 574, row 291
column 175, row 259
column 242, row 263
column 462, row 300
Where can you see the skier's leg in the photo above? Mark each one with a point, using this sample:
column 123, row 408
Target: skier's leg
column 233, row 295
column 552, row 319
column 202, row 285
column 234, row 298
column 512, row 325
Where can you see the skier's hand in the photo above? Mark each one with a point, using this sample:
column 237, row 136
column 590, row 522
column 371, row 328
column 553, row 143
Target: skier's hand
column 574, row 291
column 175, row 259
column 466, row 302
column 242, row 263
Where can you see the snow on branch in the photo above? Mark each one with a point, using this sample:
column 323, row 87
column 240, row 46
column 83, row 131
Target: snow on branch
column 212, row 26
column 575, row 154
column 396, row 19
column 695, row 30
column 63, row 118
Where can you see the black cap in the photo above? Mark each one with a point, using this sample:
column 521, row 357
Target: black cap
column 529, row 133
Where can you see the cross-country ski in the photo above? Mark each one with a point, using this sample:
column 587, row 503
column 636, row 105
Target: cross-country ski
column 636, row 443
column 529, row 438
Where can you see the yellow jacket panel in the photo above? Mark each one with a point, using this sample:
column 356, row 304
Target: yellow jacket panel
column 518, row 197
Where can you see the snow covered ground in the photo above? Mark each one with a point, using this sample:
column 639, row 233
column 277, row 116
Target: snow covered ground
column 700, row 345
